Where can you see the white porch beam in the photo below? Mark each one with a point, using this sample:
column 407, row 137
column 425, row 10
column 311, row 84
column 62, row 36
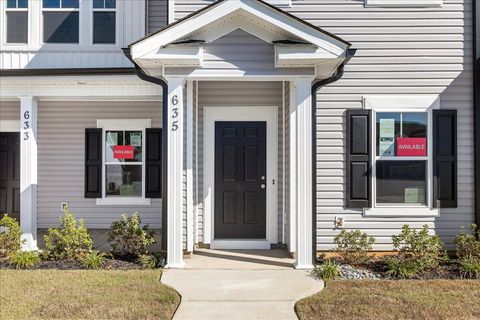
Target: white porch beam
column 28, row 172
column 175, row 173
column 304, row 173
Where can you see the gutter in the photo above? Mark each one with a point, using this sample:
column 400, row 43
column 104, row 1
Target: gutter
column 315, row 87
column 142, row 75
column 476, row 107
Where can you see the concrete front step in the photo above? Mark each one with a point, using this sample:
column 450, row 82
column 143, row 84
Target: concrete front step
column 233, row 310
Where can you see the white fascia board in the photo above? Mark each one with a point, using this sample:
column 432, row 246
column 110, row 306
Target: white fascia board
column 301, row 56
column 254, row 8
column 293, row 26
column 177, row 55
column 404, row 3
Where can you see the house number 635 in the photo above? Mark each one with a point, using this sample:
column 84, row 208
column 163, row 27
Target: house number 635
column 174, row 113
column 26, row 124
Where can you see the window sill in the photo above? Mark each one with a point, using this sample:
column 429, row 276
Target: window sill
column 123, row 202
column 401, row 212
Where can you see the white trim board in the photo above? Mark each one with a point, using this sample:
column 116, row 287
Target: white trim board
column 402, row 103
column 269, row 115
column 9, row 125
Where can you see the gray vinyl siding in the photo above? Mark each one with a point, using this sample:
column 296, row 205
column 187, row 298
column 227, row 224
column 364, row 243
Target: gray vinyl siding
column 233, row 93
column 9, row 110
column 157, row 15
column 61, row 154
column 400, row 51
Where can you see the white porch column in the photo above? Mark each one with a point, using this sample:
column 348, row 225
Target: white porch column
column 28, row 172
column 304, row 173
column 189, row 175
column 175, row 172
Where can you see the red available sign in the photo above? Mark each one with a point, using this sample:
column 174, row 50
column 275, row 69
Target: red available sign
column 123, row 152
column 411, row 147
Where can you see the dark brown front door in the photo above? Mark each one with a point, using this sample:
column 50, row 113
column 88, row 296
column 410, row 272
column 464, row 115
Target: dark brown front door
column 240, row 180
column 10, row 174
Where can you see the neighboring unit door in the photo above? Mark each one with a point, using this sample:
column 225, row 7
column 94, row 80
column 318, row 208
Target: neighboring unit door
column 240, row 180
column 10, row 174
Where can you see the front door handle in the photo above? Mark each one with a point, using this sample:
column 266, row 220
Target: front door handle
column 262, row 186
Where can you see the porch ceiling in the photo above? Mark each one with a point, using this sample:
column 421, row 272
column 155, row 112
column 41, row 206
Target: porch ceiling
column 296, row 43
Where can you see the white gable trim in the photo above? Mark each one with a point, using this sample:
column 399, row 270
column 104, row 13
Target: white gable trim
column 255, row 9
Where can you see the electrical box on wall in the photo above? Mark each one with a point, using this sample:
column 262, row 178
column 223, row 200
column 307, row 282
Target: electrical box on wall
column 63, row 205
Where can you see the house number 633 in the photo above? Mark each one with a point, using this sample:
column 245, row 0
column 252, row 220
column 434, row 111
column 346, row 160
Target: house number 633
column 174, row 113
column 26, row 124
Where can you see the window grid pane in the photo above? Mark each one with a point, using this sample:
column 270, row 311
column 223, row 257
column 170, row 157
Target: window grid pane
column 123, row 180
column 17, row 26
column 22, row 4
column 401, row 182
column 60, row 27
column 11, row 4
column 104, row 27
column 51, row 3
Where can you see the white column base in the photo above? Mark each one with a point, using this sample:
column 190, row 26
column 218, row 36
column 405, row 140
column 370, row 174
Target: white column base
column 28, row 242
column 303, row 266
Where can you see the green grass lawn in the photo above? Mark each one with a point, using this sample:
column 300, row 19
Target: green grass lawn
column 85, row 294
column 433, row 299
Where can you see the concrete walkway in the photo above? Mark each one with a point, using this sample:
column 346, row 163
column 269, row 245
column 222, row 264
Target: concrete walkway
column 254, row 284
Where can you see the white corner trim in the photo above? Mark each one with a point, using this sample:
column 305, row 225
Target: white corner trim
column 261, row 113
column 189, row 169
column 404, row 3
column 9, row 125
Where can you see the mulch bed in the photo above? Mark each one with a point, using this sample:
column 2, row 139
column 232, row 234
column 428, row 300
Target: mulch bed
column 110, row 264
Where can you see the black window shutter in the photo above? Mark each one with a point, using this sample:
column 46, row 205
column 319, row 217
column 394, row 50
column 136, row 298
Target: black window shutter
column 445, row 158
column 93, row 163
column 358, row 156
column 153, row 170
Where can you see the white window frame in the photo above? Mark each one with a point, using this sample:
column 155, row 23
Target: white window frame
column 6, row 10
column 60, row 9
column 404, row 3
column 395, row 103
column 123, row 125
column 117, row 29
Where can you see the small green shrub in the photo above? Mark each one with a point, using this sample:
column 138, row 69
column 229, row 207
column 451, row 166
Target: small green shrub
column 401, row 269
column 24, row 259
column 468, row 244
column 469, row 267
column 10, row 234
column 328, row 270
column 419, row 246
column 93, row 260
column 353, row 246
column 148, row 261
column 70, row 240
column 128, row 238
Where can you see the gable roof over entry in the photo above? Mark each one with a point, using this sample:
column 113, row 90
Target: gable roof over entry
column 297, row 44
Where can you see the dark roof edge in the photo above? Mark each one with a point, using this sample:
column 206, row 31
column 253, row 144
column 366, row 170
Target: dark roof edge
column 65, row 71
column 261, row 1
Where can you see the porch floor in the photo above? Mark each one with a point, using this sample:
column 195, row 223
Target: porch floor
column 240, row 284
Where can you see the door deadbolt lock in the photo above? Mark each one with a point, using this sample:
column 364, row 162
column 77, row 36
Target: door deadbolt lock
column 263, row 178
